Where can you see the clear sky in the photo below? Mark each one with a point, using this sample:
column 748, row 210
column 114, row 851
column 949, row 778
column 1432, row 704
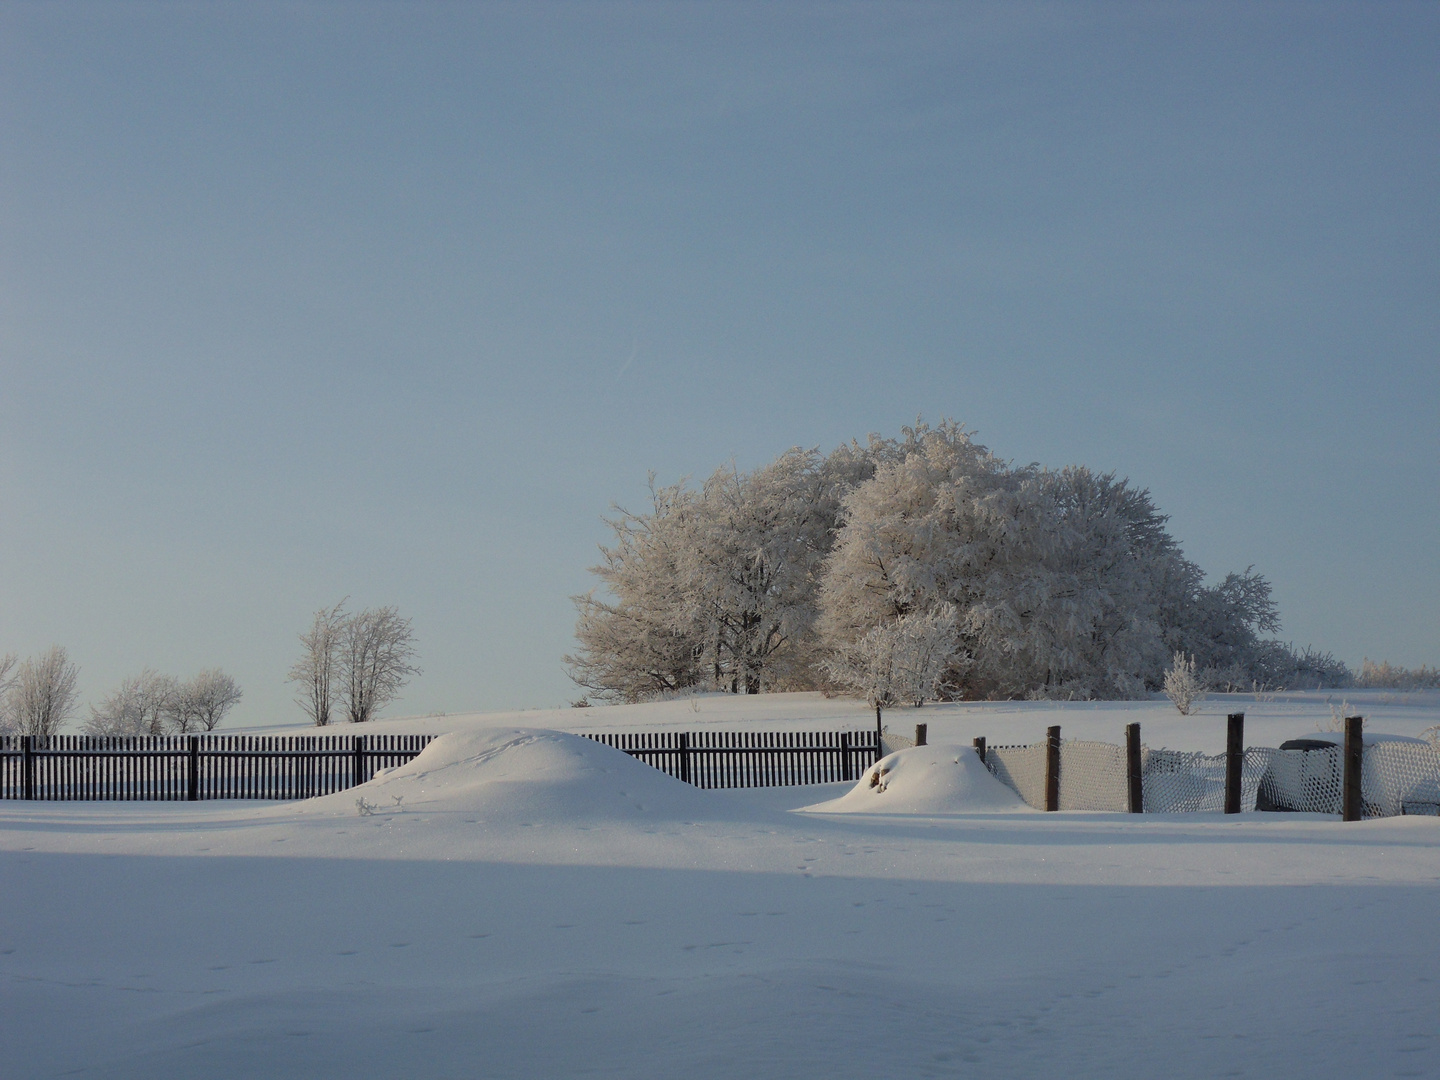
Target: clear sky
column 392, row 301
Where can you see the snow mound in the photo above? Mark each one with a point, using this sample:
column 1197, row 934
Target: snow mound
column 936, row 779
column 528, row 777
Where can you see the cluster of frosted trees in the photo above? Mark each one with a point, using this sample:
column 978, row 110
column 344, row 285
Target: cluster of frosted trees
column 914, row 568
column 40, row 694
column 154, row 704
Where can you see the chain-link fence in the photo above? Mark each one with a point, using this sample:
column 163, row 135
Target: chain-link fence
column 1398, row 776
column 1022, row 768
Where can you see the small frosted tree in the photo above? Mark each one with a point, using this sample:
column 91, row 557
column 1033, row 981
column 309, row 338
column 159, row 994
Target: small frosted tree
column 42, row 695
column 318, row 669
column 642, row 639
column 210, row 695
column 1183, row 684
column 376, row 659
column 141, row 705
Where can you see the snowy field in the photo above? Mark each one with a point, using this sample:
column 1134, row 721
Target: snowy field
column 523, row 903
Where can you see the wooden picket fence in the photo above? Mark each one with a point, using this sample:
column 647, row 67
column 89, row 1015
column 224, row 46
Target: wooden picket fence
column 742, row 759
column 193, row 767
column 178, row 767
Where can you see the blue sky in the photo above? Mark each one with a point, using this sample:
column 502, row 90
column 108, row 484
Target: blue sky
column 392, row 301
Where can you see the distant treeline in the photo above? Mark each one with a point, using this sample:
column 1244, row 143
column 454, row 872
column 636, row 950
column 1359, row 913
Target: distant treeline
column 1387, row 676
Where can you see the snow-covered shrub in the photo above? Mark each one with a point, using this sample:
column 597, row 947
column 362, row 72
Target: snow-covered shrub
column 900, row 661
column 1183, row 685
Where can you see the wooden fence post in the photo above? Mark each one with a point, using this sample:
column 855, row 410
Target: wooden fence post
column 979, row 743
column 845, row 756
column 359, row 760
column 683, row 744
column 1234, row 760
column 1353, row 807
column 1134, row 780
column 28, row 781
column 1052, row 768
column 920, row 730
column 879, row 736
column 194, row 768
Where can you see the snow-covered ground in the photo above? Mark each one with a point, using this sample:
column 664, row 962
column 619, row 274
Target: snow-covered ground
column 518, row 902
column 1269, row 719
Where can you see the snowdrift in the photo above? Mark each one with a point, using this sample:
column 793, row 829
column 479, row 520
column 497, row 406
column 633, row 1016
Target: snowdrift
column 937, row 779
column 528, row 777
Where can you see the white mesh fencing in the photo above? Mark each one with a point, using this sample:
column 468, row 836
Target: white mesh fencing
column 1181, row 782
column 1022, row 768
column 1304, row 780
column 1093, row 776
column 1396, row 778
column 1400, row 778
column 890, row 743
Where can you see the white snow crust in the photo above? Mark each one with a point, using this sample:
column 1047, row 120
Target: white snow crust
column 521, row 902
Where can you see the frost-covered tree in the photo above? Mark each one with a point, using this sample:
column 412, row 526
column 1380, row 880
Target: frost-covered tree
column 1221, row 625
column 42, row 695
column 756, row 545
column 318, row 668
column 213, row 694
column 141, row 705
column 376, row 658
column 201, row 703
column 637, row 642
column 717, row 585
column 1050, row 572
column 1066, row 582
